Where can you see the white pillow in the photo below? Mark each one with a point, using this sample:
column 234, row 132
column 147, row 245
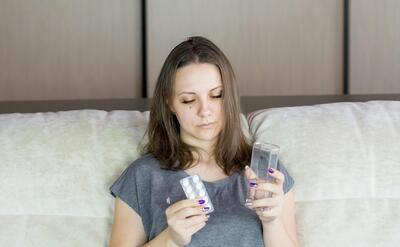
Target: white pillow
column 345, row 160
column 55, row 171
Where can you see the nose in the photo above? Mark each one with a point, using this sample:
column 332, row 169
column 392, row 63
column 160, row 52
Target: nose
column 205, row 109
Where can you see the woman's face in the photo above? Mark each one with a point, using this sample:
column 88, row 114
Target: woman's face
column 197, row 103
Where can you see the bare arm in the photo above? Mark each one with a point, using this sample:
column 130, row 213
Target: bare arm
column 127, row 229
column 282, row 231
column 277, row 213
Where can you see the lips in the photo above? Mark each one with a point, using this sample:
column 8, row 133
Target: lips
column 207, row 126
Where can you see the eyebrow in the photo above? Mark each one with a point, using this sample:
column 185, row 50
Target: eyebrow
column 195, row 93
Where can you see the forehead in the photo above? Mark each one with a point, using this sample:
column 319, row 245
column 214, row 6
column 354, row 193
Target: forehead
column 197, row 78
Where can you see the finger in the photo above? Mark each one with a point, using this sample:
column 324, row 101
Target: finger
column 267, row 212
column 189, row 222
column 196, row 227
column 183, row 204
column 265, row 202
column 279, row 177
column 251, row 193
column 249, row 173
column 188, row 212
column 184, row 216
column 188, row 225
column 269, row 187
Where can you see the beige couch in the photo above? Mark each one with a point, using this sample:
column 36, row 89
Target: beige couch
column 56, row 168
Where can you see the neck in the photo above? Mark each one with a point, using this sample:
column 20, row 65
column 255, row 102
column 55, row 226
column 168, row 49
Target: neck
column 204, row 156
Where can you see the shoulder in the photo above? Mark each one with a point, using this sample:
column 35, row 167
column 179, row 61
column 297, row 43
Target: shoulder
column 138, row 172
column 144, row 165
column 147, row 161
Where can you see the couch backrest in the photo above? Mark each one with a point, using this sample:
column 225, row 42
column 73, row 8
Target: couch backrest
column 345, row 159
column 55, row 171
column 56, row 168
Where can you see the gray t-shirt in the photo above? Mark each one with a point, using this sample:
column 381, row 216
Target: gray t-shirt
column 145, row 187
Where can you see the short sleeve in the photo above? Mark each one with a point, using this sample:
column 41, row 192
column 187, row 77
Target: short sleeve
column 125, row 187
column 289, row 181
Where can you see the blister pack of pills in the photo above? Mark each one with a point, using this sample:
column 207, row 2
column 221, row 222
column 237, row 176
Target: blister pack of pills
column 194, row 187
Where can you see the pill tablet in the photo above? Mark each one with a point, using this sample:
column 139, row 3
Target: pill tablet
column 194, row 187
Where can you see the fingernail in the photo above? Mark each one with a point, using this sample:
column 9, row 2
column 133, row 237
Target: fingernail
column 205, row 209
column 246, row 167
column 201, row 201
column 270, row 170
column 253, row 184
column 248, row 204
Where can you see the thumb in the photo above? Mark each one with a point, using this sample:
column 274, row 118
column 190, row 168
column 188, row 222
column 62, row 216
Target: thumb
column 249, row 173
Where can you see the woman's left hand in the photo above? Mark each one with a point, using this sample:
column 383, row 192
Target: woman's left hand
column 267, row 208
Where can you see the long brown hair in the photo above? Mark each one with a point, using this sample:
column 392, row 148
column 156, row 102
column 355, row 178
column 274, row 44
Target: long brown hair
column 231, row 152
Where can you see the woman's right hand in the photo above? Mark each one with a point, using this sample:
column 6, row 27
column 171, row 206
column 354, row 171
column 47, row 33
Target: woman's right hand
column 185, row 218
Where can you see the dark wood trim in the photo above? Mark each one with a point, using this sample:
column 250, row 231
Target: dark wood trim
column 140, row 104
column 346, row 46
column 249, row 103
column 253, row 103
column 144, row 49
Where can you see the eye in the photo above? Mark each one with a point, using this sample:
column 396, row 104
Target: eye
column 217, row 96
column 187, row 101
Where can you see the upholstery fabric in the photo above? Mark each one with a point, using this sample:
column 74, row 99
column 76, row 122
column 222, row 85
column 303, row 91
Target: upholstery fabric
column 345, row 160
column 56, row 169
column 55, row 173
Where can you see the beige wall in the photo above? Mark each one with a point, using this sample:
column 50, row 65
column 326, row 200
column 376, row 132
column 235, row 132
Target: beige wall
column 289, row 47
column 375, row 46
column 70, row 49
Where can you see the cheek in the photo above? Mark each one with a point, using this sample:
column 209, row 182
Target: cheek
column 185, row 116
column 220, row 112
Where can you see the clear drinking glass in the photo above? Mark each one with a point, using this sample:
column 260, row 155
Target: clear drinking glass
column 263, row 157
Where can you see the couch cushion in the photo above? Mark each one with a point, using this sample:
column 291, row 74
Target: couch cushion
column 345, row 160
column 53, row 230
column 55, row 173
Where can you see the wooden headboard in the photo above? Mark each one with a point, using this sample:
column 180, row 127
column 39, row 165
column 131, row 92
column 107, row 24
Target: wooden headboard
column 249, row 103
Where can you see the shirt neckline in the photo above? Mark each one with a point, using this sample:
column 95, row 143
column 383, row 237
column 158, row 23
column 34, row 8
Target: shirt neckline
column 219, row 182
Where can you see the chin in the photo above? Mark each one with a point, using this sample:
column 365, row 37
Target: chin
column 207, row 137
column 204, row 136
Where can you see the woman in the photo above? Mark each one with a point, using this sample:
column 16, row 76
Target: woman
column 195, row 128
